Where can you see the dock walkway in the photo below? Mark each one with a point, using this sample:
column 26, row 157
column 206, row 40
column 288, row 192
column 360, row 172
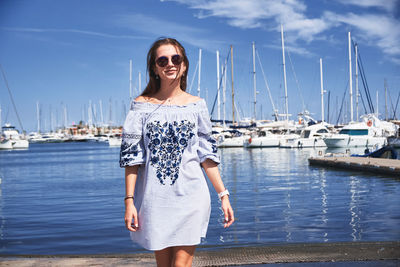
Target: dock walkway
column 376, row 165
column 348, row 253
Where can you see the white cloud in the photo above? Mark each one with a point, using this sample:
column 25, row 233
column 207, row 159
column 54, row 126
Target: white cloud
column 166, row 28
column 91, row 33
column 388, row 5
column 382, row 31
column 377, row 29
column 267, row 14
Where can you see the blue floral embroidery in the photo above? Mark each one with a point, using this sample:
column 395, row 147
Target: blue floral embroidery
column 213, row 143
column 128, row 153
column 167, row 142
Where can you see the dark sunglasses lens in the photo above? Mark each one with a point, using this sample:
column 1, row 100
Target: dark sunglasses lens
column 162, row 61
column 176, row 59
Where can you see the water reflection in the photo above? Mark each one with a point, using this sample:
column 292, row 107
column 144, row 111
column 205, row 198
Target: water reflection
column 276, row 195
column 280, row 198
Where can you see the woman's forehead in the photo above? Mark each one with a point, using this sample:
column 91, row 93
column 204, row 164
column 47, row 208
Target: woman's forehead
column 167, row 49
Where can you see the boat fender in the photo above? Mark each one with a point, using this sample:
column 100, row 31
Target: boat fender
column 369, row 123
column 249, row 140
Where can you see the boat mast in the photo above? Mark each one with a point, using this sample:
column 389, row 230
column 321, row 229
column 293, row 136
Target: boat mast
column 377, row 106
column 101, row 113
column 233, row 91
column 218, row 89
column 90, row 118
column 350, row 81
column 38, row 116
column 65, row 116
column 386, row 109
column 140, row 83
column 130, row 79
column 254, row 82
column 224, row 92
column 198, row 82
column 322, row 91
column 357, row 93
column 284, row 75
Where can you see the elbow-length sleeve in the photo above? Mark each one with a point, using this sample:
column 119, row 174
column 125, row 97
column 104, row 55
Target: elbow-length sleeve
column 207, row 143
column 132, row 146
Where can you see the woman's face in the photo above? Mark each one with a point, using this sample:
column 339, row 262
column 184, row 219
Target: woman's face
column 169, row 71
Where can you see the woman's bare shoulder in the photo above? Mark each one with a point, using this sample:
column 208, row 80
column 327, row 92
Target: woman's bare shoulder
column 191, row 98
column 140, row 99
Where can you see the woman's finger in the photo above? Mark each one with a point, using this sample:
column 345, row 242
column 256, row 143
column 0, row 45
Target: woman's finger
column 229, row 218
column 135, row 219
column 128, row 224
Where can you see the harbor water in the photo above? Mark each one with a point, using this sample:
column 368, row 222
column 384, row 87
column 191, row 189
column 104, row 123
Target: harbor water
column 67, row 198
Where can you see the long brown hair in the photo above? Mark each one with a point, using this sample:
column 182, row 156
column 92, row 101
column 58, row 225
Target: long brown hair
column 154, row 84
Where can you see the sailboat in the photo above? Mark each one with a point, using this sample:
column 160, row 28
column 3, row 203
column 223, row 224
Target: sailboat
column 370, row 132
column 9, row 132
column 275, row 133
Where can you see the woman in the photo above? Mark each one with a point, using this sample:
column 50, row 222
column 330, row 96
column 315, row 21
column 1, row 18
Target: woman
column 166, row 142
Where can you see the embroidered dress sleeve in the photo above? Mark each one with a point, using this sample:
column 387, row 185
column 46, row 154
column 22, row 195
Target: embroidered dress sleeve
column 132, row 145
column 207, row 143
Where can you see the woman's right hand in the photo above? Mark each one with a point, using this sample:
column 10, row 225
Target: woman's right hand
column 131, row 213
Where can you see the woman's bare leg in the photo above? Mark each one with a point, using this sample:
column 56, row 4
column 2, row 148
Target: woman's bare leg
column 183, row 256
column 164, row 257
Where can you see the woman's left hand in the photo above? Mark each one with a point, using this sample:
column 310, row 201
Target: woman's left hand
column 228, row 211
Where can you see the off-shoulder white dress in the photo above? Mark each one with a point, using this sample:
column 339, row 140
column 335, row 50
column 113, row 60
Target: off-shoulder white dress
column 171, row 195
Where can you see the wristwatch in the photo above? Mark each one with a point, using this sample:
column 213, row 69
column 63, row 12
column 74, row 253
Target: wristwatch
column 223, row 193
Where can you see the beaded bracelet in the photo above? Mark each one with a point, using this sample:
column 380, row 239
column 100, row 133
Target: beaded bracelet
column 128, row 197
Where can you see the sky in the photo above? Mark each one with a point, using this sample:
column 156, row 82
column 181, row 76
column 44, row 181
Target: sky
column 65, row 56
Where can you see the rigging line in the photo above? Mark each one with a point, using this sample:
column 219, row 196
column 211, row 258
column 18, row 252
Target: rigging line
column 364, row 79
column 390, row 99
column 266, row 85
column 297, row 81
column 194, row 76
column 366, row 88
column 362, row 101
column 397, row 102
column 12, row 99
column 341, row 106
column 220, row 83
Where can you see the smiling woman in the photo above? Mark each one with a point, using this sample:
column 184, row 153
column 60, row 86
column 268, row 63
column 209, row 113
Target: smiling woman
column 163, row 164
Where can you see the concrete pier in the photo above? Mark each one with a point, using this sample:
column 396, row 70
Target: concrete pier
column 382, row 253
column 376, row 165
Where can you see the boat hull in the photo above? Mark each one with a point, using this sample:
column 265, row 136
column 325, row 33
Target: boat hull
column 261, row 142
column 304, row 142
column 20, row 144
column 6, row 144
column 231, row 141
column 354, row 141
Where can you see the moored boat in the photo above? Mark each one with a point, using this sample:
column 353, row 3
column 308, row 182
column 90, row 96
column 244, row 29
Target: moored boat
column 371, row 132
column 11, row 134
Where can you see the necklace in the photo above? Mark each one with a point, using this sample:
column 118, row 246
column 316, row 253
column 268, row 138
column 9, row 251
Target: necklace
column 169, row 100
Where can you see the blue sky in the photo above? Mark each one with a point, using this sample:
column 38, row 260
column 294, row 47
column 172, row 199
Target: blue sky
column 65, row 53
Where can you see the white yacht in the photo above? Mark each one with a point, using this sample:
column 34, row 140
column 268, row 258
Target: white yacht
column 5, row 143
column 114, row 141
column 11, row 134
column 371, row 132
column 266, row 138
column 311, row 136
column 232, row 138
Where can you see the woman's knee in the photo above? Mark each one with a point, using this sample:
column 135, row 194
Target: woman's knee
column 183, row 256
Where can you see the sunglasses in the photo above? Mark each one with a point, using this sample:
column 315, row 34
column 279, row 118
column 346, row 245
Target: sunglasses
column 163, row 61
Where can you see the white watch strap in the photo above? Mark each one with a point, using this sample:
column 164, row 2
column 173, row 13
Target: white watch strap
column 223, row 193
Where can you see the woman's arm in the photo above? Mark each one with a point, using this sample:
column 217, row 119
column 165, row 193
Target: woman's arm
column 211, row 169
column 130, row 210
